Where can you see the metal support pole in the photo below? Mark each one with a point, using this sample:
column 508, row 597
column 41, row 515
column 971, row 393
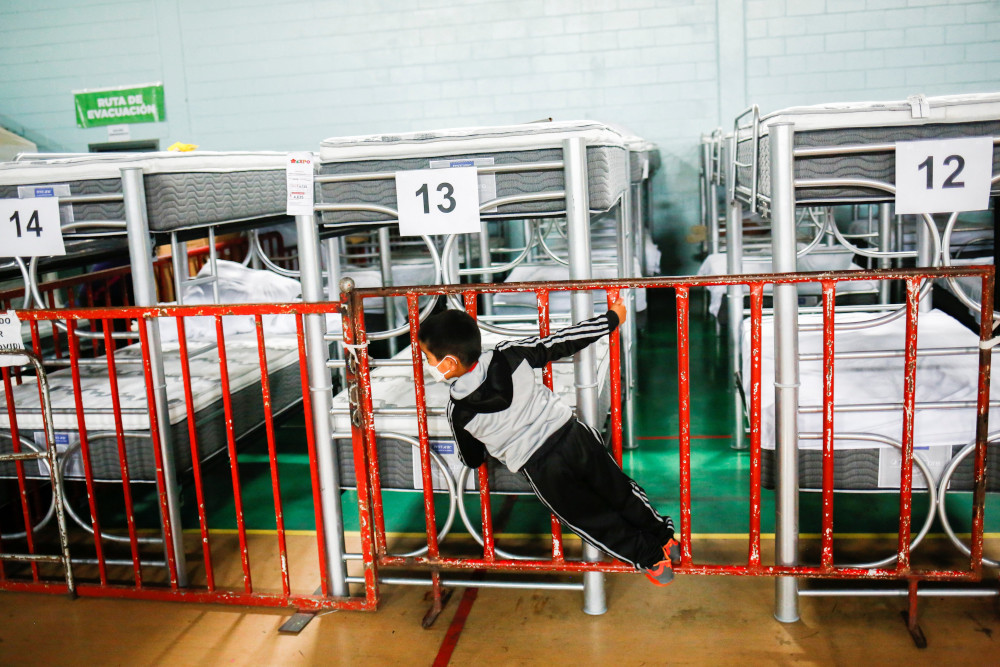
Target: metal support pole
column 385, row 262
column 332, row 246
column 925, row 257
column 144, row 288
column 625, row 223
column 734, row 296
column 884, row 245
column 582, row 307
column 786, row 372
column 321, row 394
column 485, row 260
column 713, row 211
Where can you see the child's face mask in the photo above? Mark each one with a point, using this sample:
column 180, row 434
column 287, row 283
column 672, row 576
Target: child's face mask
column 436, row 373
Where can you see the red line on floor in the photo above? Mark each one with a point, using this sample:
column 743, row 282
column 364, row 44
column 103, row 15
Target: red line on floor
column 677, row 437
column 455, row 629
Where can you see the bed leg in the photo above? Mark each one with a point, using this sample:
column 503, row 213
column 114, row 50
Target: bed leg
column 441, row 596
column 910, row 618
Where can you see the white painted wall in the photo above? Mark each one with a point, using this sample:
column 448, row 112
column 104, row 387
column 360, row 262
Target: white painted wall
column 276, row 74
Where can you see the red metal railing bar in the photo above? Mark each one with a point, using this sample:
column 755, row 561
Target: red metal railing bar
column 485, row 508
column 909, row 414
column 684, row 417
column 154, row 432
column 426, row 479
column 829, row 295
column 756, row 342
column 614, row 367
column 234, row 466
column 88, row 473
column 544, row 325
column 324, row 579
column 982, row 424
column 199, row 488
column 19, row 466
column 122, row 456
column 272, row 455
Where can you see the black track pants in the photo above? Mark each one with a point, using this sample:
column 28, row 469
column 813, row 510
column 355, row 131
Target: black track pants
column 579, row 481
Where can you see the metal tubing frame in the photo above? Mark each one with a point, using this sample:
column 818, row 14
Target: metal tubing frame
column 786, row 372
column 320, row 399
column 144, row 289
column 734, row 300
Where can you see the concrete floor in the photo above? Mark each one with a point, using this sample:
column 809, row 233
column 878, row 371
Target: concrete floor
column 696, row 621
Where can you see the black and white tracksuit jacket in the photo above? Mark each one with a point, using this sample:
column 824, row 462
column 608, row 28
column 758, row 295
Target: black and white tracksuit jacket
column 499, row 407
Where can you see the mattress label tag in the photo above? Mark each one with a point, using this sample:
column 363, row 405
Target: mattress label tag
column 299, row 183
column 487, row 182
column 30, row 227
column 10, row 339
column 438, row 201
column 943, row 175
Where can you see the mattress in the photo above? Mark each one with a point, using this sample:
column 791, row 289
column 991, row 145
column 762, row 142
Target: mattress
column 403, row 273
column 392, row 387
column 559, row 301
column 919, row 117
column 526, row 144
column 963, row 239
column 183, row 190
column 938, row 433
column 715, row 265
column 244, row 376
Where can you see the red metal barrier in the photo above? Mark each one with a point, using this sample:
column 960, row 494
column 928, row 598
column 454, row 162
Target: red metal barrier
column 365, row 432
column 138, row 576
column 107, row 578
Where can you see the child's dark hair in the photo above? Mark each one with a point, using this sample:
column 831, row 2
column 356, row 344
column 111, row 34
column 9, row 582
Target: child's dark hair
column 452, row 332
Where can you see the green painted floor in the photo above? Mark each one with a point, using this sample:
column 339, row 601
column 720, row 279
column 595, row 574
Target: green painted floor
column 720, row 475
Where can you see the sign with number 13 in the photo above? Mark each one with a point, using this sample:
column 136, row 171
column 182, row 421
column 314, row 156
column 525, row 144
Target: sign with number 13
column 943, row 175
column 438, row 201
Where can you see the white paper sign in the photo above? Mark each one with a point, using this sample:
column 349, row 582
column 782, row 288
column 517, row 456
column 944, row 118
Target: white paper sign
column 299, row 183
column 438, row 201
column 119, row 133
column 943, row 175
column 10, row 339
column 30, row 228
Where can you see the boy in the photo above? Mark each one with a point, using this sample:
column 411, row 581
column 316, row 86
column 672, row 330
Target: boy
column 497, row 406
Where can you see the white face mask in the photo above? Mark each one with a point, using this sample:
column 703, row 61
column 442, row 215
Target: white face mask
column 436, row 373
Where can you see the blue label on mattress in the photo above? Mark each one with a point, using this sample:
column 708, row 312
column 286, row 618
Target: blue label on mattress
column 462, row 163
column 62, row 438
column 45, row 192
column 443, row 447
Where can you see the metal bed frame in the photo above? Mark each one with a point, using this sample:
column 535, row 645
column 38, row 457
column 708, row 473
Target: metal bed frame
column 780, row 206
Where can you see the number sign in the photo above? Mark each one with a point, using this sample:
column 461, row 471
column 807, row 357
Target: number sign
column 30, row 227
column 943, row 175
column 10, row 339
column 438, row 201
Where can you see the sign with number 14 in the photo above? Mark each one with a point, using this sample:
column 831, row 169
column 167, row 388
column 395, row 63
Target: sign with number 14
column 943, row 175
column 30, row 227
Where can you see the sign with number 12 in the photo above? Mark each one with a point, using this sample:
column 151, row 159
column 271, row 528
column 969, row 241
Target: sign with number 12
column 30, row 227
column 438, row 201
column 943, row 175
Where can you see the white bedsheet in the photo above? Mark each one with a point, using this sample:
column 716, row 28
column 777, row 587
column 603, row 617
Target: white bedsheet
column 866, row 381
column 559, row 302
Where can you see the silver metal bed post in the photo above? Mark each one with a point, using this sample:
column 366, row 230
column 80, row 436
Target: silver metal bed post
column 625, row 224
column 786, row 372
column 884, row 245
column 485, row 261
column 734, row 300
column 925, row 257
column 144, row 288
column 713, row 208
column 332, row 246
column 321, row 393
column 585, row 375
column 385, row 263
column 179, row 259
